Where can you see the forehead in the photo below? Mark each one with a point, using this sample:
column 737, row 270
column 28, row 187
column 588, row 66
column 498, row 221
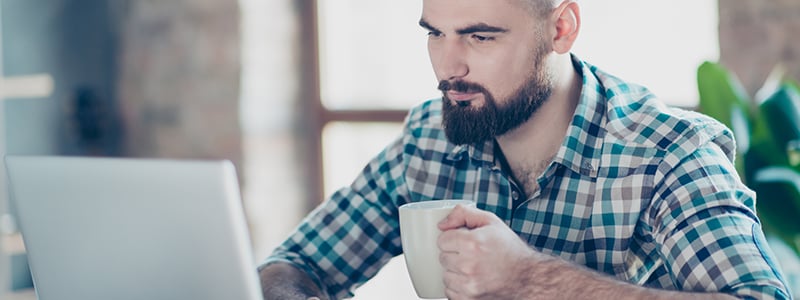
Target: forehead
column 454, row 14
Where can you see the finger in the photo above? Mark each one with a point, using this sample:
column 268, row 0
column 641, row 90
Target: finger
column 449, row 261
column 463, row 216
column 453, row 287
column 453, row 240
column 452, row 294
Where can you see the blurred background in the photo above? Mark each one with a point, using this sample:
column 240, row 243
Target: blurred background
column 299, row 94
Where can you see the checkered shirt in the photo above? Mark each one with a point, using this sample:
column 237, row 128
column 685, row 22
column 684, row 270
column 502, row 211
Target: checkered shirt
column 638, row 190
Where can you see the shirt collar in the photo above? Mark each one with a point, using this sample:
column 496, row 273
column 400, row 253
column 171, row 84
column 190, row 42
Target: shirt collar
column 581, row 149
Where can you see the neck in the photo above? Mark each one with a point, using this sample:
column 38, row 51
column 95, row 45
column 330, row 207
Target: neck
column 539, row 139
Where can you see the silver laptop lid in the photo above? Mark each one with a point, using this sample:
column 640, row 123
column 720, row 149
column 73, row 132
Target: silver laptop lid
column 102, row 228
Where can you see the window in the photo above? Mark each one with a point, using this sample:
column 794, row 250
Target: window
column 347, row 147
column 659, row 50
column 373, row 55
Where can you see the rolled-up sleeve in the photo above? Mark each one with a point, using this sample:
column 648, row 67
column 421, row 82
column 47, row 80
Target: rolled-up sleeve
column 709, row 235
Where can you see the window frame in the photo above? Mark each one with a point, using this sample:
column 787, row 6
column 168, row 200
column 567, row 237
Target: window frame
column 318, row 115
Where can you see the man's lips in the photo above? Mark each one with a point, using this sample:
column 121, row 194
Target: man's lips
column 459, row 96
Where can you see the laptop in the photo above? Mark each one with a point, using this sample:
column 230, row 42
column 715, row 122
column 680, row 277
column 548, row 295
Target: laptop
column 121, row 228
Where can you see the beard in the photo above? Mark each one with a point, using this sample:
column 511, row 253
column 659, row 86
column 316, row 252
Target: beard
column 467, row 124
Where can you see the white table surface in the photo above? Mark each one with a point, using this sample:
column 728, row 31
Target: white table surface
column 20, row 295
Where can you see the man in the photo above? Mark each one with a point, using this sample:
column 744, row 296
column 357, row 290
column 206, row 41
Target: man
column 586, row 186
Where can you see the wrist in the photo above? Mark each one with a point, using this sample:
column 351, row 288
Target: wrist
column 534, row 271
column 551, row 277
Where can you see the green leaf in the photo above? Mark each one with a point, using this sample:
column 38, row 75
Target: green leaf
column 778, row 190
column 794, row 84
column 720, row 93
column 723, row 98
column 781, row 114
column 775, row 182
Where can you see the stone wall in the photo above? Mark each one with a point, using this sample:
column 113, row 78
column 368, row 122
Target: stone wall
column 178, row 82
column 756, row 35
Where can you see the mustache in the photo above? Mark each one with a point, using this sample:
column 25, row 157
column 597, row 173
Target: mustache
column 460, row 86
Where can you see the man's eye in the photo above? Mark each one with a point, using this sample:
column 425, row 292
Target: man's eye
column 434, row 34
column 481, row 38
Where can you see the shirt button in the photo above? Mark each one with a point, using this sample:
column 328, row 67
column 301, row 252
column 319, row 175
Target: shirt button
column 587, row 169
column 514, row 195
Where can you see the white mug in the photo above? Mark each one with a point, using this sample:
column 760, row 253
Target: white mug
column 418, row 232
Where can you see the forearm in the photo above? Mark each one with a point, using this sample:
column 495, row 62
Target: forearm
column 284, row 281
column 558, row 278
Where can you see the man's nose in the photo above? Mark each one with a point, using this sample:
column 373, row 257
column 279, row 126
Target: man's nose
column 452, row 61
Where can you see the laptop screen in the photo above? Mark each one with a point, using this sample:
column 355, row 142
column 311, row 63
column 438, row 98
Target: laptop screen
column 113, row 228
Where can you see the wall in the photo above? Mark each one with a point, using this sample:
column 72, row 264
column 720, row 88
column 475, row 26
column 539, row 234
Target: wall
column 755, row 35
column 132, row 78
column 178, row 82
column 74, row 42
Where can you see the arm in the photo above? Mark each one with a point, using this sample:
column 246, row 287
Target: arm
column 283, row 281
column 345, row 240
column 476, row 268
column 704, row 223
column 703, row 227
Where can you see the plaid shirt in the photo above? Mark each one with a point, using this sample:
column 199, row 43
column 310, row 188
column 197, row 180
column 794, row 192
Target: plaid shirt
column 639, row 191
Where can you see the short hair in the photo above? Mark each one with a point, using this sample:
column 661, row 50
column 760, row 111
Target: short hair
column 540, row 8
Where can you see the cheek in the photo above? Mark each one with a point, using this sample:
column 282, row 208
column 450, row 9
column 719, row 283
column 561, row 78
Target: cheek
column 505, row 74
column 432, row 54
column 517, row 68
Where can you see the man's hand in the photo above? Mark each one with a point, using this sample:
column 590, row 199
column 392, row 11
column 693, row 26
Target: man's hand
column 482, row 257
column 284, row 281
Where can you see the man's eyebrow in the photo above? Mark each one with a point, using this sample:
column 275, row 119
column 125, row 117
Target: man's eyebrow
column 427, row 26
column 479, row 27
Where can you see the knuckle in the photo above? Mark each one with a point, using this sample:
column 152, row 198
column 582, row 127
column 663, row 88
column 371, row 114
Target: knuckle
column 471, row 269
column 472, row 289
column 443, row 259
column 471, row 246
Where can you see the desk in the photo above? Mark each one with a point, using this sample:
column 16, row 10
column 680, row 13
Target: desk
column 17, row 272
column 12, row 243
column 20, row 295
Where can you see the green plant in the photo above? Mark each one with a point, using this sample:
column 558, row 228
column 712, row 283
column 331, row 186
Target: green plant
column 767, row 132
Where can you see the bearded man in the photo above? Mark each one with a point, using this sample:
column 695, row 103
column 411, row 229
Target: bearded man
column 587, row 186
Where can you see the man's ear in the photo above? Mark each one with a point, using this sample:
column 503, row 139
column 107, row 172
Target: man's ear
column 567, row 17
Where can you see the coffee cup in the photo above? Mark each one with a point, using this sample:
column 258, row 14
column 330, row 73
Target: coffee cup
column 418, row 233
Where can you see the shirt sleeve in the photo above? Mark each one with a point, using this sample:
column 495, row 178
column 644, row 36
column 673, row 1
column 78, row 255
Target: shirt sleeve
column 351, row 235
column 709, row 235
